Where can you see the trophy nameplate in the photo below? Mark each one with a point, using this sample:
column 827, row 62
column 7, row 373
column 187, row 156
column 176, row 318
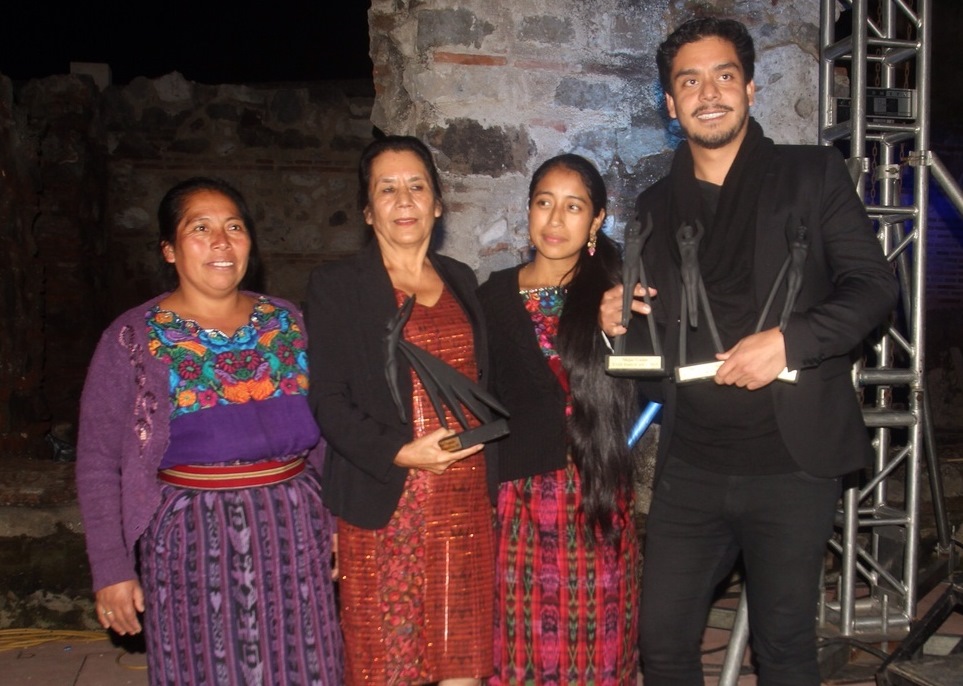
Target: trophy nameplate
column 707, row 370
column 488, row 431
column 696, row 372
column 634, row 365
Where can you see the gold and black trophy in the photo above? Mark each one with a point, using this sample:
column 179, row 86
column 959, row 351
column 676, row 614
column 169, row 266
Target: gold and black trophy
column 445, row 386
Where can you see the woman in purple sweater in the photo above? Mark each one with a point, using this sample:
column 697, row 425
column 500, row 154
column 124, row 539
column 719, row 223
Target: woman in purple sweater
column 197, row 467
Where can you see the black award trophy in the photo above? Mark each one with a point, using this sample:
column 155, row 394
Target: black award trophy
column 445, row 386
column 621, row 363
column 694, row 296
column 791, row 273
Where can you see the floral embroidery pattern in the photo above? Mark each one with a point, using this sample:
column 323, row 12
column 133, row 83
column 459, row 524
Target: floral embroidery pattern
column 545, row 307
column 263, row 359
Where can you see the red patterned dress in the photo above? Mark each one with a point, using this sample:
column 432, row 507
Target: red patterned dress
column 566, row 607
column 418, row 595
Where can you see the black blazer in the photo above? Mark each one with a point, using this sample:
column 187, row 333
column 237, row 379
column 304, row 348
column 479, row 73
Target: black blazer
column 523, row 382
column 349, row 305
column 848, row 289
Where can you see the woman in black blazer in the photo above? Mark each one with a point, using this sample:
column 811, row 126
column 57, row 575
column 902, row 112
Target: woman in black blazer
column 567, row 553
column 415, row 522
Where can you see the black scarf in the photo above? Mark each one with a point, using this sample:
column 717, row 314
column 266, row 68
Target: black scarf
column 726, row 250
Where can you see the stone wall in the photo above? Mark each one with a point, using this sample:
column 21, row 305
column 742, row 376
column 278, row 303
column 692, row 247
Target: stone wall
column 495, row 86
column 498, row 86
column 83, row 172
column 21, row 329
column 291, row 149
column 53, row 191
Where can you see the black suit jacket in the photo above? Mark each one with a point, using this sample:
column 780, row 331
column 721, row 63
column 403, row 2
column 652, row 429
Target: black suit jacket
column 523, row 382
column 848, row 289
column 349, row 305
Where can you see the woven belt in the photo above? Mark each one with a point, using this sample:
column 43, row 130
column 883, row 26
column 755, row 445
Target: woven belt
column 223, row 477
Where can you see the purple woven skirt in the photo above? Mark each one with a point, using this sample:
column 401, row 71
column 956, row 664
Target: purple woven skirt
column 238, row 588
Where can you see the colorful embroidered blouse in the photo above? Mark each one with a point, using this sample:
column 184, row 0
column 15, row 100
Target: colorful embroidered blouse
column 544, row 305
column 234, row 398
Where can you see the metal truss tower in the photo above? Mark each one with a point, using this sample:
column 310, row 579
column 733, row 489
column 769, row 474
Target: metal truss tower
column 875, row 105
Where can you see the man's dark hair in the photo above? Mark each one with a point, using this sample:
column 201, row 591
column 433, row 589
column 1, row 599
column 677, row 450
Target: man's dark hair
column 706, row 27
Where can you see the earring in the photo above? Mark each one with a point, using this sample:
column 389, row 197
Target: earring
column 591, row 245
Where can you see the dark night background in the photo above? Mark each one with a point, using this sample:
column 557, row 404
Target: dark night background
column 215, row 42
column 207, row 42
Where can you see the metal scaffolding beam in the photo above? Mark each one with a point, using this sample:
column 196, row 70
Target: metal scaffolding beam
column 882, row 117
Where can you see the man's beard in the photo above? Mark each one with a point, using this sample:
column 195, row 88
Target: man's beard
column 717, row 139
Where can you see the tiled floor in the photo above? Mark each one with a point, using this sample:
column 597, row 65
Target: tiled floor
column 72, row 663
column 99, row 663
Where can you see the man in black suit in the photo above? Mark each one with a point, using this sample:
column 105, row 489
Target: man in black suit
column 750, row 457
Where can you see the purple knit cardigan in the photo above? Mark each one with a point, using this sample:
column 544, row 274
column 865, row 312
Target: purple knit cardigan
column 124, row 431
